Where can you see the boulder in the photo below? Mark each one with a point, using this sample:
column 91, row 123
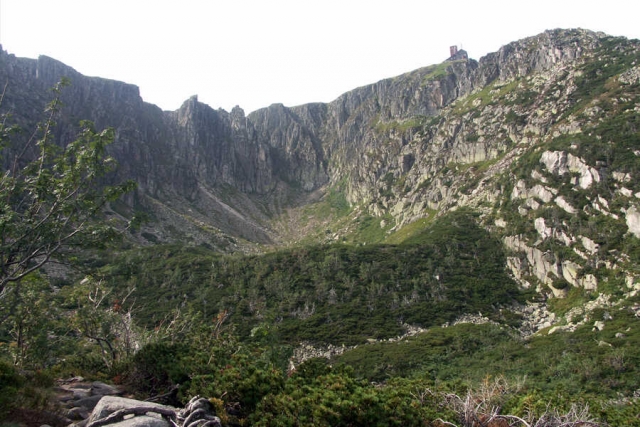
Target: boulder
column 560, row 163
column 102, row 389
column 598, row 325
column 199, row 412
column 148, row 414
column 142, row 421
column 632, row 215
column 78, row 413
column 562, row 203
column 88, row 402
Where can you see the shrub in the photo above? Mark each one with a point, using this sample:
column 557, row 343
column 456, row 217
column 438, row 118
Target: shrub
column 10, row 384
column 156, row 368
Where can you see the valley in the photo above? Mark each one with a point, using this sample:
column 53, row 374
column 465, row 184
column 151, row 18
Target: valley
column 469, row 229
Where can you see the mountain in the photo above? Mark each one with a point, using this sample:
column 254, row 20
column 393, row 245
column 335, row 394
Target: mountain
column 540, row 138
column 466, row 221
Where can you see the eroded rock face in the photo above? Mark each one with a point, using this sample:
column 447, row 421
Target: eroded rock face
column 545, row 194
column 571, row 273
column 631, row 76
column 536, row 263
column 632, row 216
column 184, row 162
column 198, row 167
column 561, row 163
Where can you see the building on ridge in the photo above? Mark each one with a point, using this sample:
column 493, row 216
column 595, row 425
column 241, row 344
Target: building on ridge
column 457, row 55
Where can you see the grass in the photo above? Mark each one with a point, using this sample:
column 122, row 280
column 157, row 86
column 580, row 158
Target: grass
column 491, row 94
column 371, row 229
column 575, row 298
column 436, row 72
column 402, row 126
column 411, row 229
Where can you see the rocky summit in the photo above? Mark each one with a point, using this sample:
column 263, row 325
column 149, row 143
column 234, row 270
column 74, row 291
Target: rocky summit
column 540, row 138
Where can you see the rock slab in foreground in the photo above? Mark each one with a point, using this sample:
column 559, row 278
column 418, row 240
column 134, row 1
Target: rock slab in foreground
column 148, row 414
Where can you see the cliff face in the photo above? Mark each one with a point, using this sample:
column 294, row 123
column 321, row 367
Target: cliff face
column 361, row 135
column 544, row 146
column 540, row 138
column 383, row 126
column 297, row 145
column 181, row 160
column 295, row 137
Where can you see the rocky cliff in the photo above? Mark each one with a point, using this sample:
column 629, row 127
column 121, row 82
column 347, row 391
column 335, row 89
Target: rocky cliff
column 190, row 164
column 541, row 138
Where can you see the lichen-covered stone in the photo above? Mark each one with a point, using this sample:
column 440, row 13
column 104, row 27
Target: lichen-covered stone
column 110, row 404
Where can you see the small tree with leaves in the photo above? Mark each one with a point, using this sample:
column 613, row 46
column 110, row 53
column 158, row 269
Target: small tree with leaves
column 51, row 196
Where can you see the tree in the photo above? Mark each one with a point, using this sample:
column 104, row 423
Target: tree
column 105, row 320
column 51, row 196
column 30, row 331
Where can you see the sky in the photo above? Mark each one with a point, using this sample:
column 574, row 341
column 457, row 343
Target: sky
column 254, row 53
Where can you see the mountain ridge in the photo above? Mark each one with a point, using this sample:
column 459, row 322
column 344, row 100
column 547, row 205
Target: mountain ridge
column 466, row 220
column 398, row 150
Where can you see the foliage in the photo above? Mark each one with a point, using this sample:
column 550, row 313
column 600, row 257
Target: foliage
column 370, row 229
column 409, row 230
column 10, row 383
column 338, row 202
column 50, row 196
column 31, row 335
column 329, row 294
column 336, row 398
column 555, row 379
column 589, row 363
column 223, row 326
column 333, row 205
column 614, row 55
column 157, row 367
column 20, row 390
column 436, row 72
column 241, row 381
column 51, row 200
column 103, row 319
column 394, row 126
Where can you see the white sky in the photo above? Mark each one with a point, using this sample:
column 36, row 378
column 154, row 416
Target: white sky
column 254, row 53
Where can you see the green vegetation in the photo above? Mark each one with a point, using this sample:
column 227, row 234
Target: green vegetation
column 561, row 369
column 225, row 326
column 563, row 360
column 410, row 230
column 488, row 95
column 338, row 202
column 331, row 212
column 330, row 294
column 414, row 123
column 613, row 56
column 51, row 209
column 436, row 72
column 370, row 229
column 336, row 398
column 48, row 201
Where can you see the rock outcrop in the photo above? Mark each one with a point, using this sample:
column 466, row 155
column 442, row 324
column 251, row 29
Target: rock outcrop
column 204, row 173
column 112, row 410
column 79, row 398
column 118, row 411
